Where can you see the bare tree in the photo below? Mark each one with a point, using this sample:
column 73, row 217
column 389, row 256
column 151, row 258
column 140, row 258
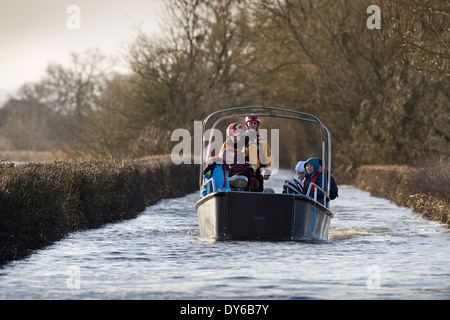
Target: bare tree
column 74, row 89
column 77, row 93
column 192, row 71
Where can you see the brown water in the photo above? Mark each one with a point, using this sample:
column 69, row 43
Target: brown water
column 376, row 250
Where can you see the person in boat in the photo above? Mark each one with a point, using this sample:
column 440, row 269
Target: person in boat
column 314, row 174
column 334, row 190
column 257, row 149
column 235, row 141
column 217, row 168
column 295, row 185
column 252, row 155
column 300, row 171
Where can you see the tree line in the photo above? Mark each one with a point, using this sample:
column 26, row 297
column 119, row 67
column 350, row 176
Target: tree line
column 383, row 93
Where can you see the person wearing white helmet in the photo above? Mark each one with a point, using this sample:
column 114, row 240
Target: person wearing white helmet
column 295, row 185
column 300, row 171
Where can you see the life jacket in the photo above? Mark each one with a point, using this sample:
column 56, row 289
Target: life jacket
column 313, row 180
column 212, row 163
column 333, row 186
column 247, row 155
column 244, row 150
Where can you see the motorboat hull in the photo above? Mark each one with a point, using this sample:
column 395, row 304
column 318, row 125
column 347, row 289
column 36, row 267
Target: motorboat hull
column 239, row 215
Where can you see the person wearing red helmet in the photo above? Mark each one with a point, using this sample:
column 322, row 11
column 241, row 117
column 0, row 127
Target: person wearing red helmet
column 235, row 140
column 252, row 122
column 235, row 131
column 262, row 150
column 251, row 152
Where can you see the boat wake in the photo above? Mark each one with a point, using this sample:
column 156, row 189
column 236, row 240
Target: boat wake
column 346, row 234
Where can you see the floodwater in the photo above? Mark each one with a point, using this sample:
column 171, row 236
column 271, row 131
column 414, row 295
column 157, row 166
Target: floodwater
column 376, row 250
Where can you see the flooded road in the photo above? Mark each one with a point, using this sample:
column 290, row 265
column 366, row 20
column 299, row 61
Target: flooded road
column 376, row 250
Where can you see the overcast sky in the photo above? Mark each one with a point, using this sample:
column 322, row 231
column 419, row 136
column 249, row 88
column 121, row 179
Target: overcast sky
column 35, row 32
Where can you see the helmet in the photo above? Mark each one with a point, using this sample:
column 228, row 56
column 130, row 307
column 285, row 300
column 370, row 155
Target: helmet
column 252, row 118
column 235, row 129
column 300, row 167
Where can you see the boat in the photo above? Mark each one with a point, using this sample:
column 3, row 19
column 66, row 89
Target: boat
column 263, row 216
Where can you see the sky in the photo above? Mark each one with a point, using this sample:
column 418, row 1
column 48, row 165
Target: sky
column 34, row 33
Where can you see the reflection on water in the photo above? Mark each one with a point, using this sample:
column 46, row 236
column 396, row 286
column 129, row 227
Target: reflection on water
column 375, row 250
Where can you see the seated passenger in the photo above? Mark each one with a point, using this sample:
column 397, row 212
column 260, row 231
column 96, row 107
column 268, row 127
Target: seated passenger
column 300, row 171
column 314, row 174
column 240, row 165
column 258, row 151
column 217, row 168
column 252, row 153
column 295, row 185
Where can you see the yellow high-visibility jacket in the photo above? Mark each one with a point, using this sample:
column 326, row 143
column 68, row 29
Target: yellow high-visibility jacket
column 256, row 153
